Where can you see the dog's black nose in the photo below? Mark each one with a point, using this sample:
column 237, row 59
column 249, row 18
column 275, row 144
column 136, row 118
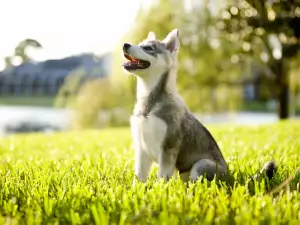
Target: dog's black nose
column 126, row 46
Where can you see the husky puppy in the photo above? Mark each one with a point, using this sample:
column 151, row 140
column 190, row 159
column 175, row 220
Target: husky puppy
column 164, row 131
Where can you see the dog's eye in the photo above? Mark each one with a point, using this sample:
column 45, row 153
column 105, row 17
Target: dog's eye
column 147, row 48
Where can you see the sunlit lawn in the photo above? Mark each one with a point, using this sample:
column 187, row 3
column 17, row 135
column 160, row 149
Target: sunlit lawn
column 86, row 178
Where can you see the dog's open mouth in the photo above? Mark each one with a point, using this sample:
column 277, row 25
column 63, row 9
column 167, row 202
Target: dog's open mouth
column 134, row 64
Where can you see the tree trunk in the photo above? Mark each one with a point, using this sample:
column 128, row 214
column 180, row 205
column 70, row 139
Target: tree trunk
column 283, row 89
column 283, row 109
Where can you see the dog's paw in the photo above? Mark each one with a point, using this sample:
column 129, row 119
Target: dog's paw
column 136, row 181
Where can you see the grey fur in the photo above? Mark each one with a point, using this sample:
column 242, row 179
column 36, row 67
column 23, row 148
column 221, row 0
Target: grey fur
column 157, row 46
column 146, row 104
column 187, row 146
column 187, row 140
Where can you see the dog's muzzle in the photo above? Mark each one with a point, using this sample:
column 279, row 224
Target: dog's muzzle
column 126, row 46
column 133, row 63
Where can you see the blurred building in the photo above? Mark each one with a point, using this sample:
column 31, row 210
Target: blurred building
column 46, row 78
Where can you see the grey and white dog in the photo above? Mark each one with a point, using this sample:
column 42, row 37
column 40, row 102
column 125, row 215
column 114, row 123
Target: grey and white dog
column 164, row 131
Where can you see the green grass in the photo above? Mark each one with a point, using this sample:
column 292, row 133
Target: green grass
column 27, row 100
column 86, row 178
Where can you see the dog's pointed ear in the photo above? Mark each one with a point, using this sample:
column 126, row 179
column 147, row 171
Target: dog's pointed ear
column 172, row 41
column 151, row 36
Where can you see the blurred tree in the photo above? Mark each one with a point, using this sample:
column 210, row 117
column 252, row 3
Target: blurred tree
column 8, row 62
column 70, row 88
column 20, row 51
column 158, row 17
column 21, row 48
column 295, row 85
column 206, row 59
column 269, row 30
column 208, row 68
column 97, row 105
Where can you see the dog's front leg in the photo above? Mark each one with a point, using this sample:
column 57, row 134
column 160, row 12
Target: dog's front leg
column 142, row 164
column 166, row 164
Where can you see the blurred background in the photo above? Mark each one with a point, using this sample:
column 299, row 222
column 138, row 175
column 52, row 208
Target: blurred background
column 60, row 60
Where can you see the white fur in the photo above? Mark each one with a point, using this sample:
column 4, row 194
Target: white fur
column 149, row 132
column 151, row 36
column 157, row 65
column 148, row 78
column 148, row 136
column 147, row 83
column 172, row 41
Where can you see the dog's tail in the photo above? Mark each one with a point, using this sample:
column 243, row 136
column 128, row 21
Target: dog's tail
column 268, row 170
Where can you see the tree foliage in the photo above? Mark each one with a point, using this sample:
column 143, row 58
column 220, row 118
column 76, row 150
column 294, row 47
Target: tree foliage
column 270, row 32
column 210, row 68
column 97, row 104
column 21, row 52
column 8, row 62
column 21, row 48
column 206, row 60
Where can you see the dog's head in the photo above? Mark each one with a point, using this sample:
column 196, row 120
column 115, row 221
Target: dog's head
column 152, row 55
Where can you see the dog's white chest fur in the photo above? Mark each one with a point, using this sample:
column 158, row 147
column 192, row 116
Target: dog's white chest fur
column 148, row 134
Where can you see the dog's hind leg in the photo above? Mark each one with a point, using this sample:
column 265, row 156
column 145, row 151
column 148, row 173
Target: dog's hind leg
column 207, row 168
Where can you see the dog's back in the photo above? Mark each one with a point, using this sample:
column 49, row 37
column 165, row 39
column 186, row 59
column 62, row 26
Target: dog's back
column 197, row 143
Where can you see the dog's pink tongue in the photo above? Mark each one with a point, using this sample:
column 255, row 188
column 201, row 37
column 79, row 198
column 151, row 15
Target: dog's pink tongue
column 134, row 60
